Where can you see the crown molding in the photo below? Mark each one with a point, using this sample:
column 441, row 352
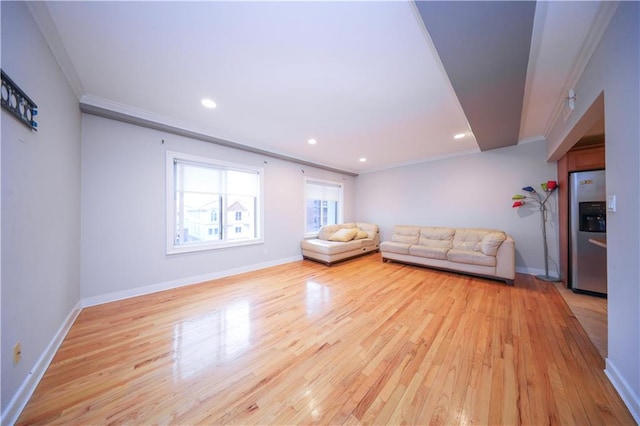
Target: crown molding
column 600, row 24
column 425, row 160
column 105, row 108
column 537, row 138
column 41, row 14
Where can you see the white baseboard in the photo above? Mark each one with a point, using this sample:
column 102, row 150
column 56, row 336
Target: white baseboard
column 533, row 271
column 631, row 399
column 20, row 399
column 529, row 271
column 168, row 285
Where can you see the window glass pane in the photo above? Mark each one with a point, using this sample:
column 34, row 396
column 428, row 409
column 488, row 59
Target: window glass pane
column 198, row 210
column 323, row 204
column 313, row 215
column 197, row 203
column 212, row 203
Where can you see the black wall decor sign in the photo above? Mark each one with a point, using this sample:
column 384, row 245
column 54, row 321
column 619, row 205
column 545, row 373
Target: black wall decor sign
column 17, row 102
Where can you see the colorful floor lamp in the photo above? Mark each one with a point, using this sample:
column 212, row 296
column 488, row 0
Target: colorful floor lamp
column 541, row 201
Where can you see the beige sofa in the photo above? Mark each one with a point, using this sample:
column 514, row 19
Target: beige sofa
column 485, row 252
column 342, row 242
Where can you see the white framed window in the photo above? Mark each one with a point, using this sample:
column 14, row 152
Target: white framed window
column 323, row 204
column 205, row 194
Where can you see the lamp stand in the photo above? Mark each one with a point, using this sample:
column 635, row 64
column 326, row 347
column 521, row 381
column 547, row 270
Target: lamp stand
column 548, row 187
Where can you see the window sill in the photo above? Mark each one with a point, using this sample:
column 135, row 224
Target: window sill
column 211, row 246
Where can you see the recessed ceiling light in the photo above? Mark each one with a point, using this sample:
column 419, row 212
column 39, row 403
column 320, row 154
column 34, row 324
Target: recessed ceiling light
column 459, row 136
column 208, row 103
column 312, row 141
column 362, row 159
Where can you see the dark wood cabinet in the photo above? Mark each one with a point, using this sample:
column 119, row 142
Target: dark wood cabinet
column 585, row 158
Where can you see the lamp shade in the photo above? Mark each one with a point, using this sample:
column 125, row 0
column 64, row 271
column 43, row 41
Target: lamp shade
column 528, row 189
column 518, row 204
column 551, row 185
column 518, row 197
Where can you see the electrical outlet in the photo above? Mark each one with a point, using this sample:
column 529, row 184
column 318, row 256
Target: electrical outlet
column 17, row 353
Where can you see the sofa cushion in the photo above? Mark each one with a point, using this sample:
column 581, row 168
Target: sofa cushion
column 405, row 234
column 471, row 257
column 470, row 238
column 330, row 247
column 344, row 235
column 436, row 237
column 491, row 242
column 394, row 247
column 430, row 252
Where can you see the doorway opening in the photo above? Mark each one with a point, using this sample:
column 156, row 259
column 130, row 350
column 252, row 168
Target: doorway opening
column 585, row 150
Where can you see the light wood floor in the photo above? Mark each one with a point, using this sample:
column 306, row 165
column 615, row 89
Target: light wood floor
column 591, row 312
column 362, row 342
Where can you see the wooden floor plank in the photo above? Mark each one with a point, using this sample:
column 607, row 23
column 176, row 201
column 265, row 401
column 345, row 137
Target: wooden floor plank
column 361, row 342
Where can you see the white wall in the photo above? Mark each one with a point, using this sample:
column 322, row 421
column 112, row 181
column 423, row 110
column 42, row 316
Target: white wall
column 123, row 211
column 472, row 190
column 615, row 68
column 40, row 201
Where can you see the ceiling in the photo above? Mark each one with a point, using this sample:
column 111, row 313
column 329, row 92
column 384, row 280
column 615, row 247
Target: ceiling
column 391, row 82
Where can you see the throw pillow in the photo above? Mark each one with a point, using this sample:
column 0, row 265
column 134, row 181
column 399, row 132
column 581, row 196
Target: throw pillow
column 344, row 235
column 361, row 235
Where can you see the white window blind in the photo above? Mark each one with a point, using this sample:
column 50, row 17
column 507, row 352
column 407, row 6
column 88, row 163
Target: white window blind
column 323, row 190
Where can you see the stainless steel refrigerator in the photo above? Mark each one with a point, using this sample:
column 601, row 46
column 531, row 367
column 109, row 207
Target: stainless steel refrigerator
column 588, row 226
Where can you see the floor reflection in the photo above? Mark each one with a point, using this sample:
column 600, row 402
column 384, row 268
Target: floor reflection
column 317, row 295
column 203, row 341
column 312, row 405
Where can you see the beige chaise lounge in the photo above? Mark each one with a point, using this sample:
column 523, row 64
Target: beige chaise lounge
column 342, row 242
column 485, row 252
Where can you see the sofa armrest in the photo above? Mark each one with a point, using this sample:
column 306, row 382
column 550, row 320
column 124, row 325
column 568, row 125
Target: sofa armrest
column 506, row 259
